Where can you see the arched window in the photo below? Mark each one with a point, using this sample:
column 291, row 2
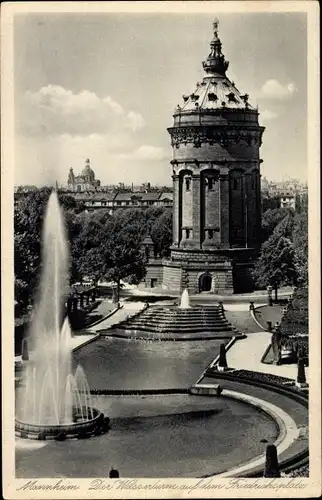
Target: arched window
column 210, row 183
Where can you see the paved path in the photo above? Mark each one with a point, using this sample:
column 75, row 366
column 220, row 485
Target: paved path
column 129, row 309
column 78, row 340
column 239, row 306
column 246, row 354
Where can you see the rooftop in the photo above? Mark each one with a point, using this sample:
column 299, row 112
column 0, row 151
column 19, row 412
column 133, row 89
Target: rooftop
column 215, row 91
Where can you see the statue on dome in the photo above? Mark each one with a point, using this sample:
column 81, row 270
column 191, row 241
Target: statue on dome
column 215, row 26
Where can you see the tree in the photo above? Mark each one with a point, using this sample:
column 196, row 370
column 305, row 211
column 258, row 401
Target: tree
column 117, row 254
column 28, row 219
column 275, row 265
column 271, row 219
column 300, row 245
column 161, row 233
column 301, row 203
column 85, row 235
column 151, row 215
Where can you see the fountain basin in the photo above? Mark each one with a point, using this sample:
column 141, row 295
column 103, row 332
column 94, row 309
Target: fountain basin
column 86, row 428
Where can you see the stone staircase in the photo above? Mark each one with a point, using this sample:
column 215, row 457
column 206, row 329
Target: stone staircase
column 164, row 321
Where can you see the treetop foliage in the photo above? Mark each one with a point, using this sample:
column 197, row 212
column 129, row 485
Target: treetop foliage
column 102, row 246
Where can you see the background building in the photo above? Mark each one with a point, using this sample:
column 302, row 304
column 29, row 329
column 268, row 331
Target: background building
column 85, row 181
column 289, row 193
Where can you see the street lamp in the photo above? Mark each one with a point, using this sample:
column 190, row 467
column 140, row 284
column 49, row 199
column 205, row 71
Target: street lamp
column 269, row 293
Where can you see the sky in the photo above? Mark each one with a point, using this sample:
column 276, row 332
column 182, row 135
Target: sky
column 104, row 87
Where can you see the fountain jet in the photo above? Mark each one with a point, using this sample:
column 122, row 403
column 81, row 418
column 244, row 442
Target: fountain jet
column 185, row 300
column 51, row 395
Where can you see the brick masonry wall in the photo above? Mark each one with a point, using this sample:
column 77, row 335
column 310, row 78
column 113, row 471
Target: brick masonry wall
column 172, row 277
column 154, row 272
column 224, row 210
column 212, row 209
column 236, row 141
column 186, row 203
column 236, row 205
column 178, row 276
column 212, row 152
column 175, row 233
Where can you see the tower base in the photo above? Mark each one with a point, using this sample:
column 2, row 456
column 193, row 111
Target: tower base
column 221, row 272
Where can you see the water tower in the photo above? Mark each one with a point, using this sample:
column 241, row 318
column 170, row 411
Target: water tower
column 216, row 184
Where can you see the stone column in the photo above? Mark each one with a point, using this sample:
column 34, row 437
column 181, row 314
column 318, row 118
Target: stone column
column 224, row 208
column 247, row 208
column 258, row 208
column 176, row 210
column 196, row 229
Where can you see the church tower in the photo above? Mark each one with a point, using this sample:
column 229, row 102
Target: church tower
column 216, row 184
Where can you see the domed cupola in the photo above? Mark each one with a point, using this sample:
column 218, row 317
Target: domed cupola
column 215, row 91
column 87, row 172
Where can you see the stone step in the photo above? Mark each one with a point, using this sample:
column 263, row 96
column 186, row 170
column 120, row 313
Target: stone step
column 189, row 310
column 165, row 318
column 174, row 329
column 177, row 323
column 169, row 314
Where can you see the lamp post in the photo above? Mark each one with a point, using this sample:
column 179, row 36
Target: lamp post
column 269, row 293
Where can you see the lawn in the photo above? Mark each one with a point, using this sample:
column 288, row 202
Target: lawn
column 268, row 313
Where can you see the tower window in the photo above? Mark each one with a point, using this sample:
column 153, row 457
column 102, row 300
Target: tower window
column 210, row 234
column 231, row 97
column 187, row 234
column 212, row 96
column 235, row 183
column 188, row 184
column 210, row 184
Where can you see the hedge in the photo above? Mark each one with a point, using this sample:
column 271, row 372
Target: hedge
column 295, row 324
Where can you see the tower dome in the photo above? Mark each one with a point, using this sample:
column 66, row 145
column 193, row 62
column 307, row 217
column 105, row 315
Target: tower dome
column 87, row 172
column 216, row 183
